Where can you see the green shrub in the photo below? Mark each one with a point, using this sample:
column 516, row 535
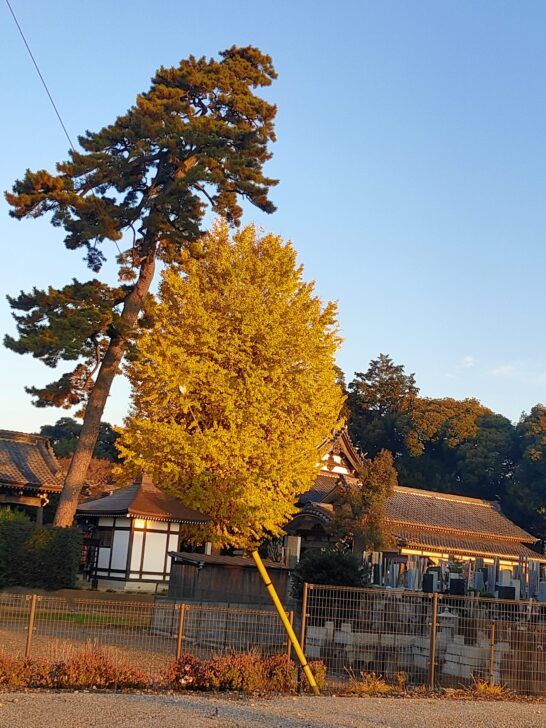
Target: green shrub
column 38, row 556
column 182, row 673
column 281, row 674
column 328, row 566
column 241, row 672
column 318, row 668
column 246, row 672
column 13, row 672
column 87, row 668
column 91, row 667
column 13, row 516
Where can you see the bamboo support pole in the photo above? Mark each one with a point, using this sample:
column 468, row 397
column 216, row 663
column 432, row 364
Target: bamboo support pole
column 289, row 644
column 286, row 623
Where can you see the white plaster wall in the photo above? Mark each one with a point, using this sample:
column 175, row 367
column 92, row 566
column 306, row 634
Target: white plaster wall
column 154, row 551
column 120, row 548
column 104, row 558
column 158, row 525
column 172, row 546
column 136, row 552
column 173, row 542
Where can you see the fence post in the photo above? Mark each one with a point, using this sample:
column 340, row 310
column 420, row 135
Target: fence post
column 432, row 646
column 304, row 615
column 30, row 626
column 289, row 644
column 492, row 654
column 180, row 635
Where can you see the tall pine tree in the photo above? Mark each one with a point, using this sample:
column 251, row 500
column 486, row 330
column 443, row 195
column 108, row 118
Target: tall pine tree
column 198, row 138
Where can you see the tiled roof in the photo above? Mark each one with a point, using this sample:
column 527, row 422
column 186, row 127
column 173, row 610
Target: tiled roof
column 432, row 509
column 429, row 539
column 218, row 560
column 453, row 512
column 27, row 461
column 323, row 484
column 142, row 500
column 427, row 519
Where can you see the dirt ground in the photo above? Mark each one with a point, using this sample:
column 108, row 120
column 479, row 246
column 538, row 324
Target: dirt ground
column 88, row 710
column 148, row 654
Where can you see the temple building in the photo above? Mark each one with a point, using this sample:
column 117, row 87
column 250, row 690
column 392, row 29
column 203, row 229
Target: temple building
column 441, row 540
column 129, row 534
column 29, row 472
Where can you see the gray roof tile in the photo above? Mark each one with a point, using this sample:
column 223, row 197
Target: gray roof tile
column 142, row 500
column 27, row 461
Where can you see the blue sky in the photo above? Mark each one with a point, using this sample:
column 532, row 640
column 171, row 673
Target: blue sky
column 411, row 152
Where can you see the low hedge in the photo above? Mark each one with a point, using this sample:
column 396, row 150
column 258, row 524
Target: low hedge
column 40, row 557
column 92, row 667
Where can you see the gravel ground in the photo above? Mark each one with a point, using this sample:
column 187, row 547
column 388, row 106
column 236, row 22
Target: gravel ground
column 86, row 710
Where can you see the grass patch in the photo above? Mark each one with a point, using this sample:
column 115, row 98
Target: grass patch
column 369, row 684
column 486, row 689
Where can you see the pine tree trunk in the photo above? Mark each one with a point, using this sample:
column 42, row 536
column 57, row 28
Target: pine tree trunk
column 75, row 478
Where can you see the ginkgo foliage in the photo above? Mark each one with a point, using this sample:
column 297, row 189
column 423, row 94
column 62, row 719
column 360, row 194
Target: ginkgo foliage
column 234, row 385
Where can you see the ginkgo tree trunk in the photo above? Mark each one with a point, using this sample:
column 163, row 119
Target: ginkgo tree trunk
column 197, row 139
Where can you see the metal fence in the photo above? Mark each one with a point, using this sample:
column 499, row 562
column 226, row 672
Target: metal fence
column 145, row 635
column 405, row 637
column 431, row 639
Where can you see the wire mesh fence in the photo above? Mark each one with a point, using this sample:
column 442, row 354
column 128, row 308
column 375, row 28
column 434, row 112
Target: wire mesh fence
column 432, row 639
column 14, row 617
column 355, row 630
column 145, row 635
column 208, row 630
column 406, row 637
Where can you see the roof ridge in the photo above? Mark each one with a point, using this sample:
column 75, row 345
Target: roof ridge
column 445, row 529
column 18, row 436
column 423, row 492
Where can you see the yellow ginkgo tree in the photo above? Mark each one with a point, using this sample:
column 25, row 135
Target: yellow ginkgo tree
column 234, row 385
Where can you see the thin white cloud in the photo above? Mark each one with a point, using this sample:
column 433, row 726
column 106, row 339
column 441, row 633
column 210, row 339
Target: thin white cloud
column 502, row 370
column 468, row 361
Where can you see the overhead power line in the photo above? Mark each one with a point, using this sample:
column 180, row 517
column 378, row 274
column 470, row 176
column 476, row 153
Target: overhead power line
column 48, row 92
column 42, row 79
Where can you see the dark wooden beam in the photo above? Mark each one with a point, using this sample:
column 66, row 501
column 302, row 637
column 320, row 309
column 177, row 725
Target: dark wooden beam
column 21, row 500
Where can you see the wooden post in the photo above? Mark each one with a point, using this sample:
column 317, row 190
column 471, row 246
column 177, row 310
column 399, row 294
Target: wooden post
column 289, row 644
column 304, row 615
column 30, row 626
column 492, row 654
column 180, row 635
column 432, row 645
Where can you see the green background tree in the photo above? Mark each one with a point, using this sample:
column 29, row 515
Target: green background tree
column 449, row 445
column 381, row 401
column 64, row 435
column 360, row 507
column 526, row 497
